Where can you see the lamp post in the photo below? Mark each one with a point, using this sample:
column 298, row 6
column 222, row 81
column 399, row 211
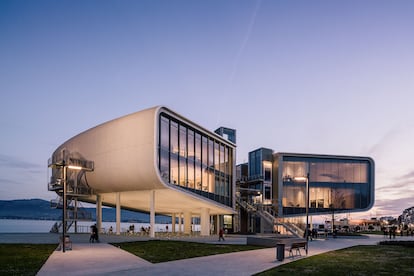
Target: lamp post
column 306, row 179
column 64, row 206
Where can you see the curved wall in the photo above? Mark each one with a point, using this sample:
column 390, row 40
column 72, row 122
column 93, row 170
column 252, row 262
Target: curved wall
column 123, row 151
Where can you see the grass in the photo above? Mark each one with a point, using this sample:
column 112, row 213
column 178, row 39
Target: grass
column 23, row 259
column 358, row 260
column 388, row 259
column 156, row 251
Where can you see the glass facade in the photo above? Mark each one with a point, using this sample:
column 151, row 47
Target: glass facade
column 194, row 161
column 334, row 184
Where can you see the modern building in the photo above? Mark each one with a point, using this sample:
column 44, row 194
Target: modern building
column 275, row 187
column 159, row 162
column 153, row 161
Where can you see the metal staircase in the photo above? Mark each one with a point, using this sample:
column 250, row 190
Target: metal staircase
column 267, row 213
column 69, row 170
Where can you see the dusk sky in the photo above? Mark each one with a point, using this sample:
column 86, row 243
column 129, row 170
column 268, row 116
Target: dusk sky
column 326, row 77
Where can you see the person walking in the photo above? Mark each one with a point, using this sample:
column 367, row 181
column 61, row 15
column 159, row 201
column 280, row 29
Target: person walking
column 221, row 235
column 94, row 234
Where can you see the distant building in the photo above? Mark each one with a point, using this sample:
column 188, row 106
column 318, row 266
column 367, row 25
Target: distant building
column 407, row 217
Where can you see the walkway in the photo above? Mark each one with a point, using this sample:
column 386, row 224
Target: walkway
column 105, row 259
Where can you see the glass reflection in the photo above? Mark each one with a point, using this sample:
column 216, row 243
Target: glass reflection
column 333, row 185
column 194, row 161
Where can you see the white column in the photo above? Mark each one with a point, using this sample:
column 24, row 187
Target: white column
column 118, row 213
column 205, row 222
column 99, row 213
column 179, row 223
column 187, row 222
column 152, row 213
column 173, row 223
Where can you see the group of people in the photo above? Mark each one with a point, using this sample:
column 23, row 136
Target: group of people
column 312, row 234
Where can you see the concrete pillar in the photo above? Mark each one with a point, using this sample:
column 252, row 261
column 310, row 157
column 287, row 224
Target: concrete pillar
column 173, row 223
column 99, row 213
column 152, row 213
column 205, row 222
column 118, row 213
column 179, row 223
column 187, row 222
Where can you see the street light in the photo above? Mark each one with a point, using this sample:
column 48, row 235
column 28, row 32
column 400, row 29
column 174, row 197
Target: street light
column 306, row 179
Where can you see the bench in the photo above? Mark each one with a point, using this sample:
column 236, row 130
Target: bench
column 295, row 247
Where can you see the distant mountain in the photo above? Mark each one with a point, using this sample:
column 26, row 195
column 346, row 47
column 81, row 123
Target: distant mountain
column 39, row 209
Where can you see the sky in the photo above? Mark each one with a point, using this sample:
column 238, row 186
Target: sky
column 326, row 77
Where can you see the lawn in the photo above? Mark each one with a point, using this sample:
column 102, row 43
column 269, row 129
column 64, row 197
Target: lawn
column 23, row 259
column 358, row 260
column 156, row 251
column 27, row 259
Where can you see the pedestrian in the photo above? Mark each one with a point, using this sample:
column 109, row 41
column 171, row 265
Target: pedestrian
column 221, row 235
column 94, row 234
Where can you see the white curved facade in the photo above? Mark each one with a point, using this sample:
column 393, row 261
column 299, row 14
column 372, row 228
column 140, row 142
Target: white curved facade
column 126, row 154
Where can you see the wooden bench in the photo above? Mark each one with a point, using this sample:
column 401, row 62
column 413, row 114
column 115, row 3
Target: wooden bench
column 295, row 247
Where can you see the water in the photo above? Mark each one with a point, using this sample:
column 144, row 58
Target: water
column 44, row 226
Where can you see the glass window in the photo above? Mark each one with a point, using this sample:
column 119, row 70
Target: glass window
column 363, row 169
column 267, row 193
column 183, row 141
column 198, row 147
column 294, row 169
column 216, row 156
column 194, row 161
column 174, row 169
column 190, row 147
column 211, row 180
column 198, row 172
column 183, row 172
column 165, row 133
column 165, row 165
column 191, row 175
column 204, row 152
column 204, row 178
column 174, row 137
column 210, row 153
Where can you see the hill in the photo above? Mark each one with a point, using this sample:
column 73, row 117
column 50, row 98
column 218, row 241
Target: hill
column 39, row 209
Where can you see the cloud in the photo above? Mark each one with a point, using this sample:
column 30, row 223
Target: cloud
column 408, row 175
column 7, row 161
column 9, row 181
column 401, row 185
column 393, row 207
column 381, row 146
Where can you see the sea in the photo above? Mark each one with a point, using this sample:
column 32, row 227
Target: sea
column 44, row 226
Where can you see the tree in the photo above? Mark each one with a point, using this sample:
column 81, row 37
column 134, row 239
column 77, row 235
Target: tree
column 337, row 201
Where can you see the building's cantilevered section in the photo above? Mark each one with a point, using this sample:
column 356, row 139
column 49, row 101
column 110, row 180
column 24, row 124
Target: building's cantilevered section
column 339, row 184
column 159, row 162
column 273, row 188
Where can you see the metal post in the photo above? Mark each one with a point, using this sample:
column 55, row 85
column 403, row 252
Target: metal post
column 64, row 207
column 307, row 213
